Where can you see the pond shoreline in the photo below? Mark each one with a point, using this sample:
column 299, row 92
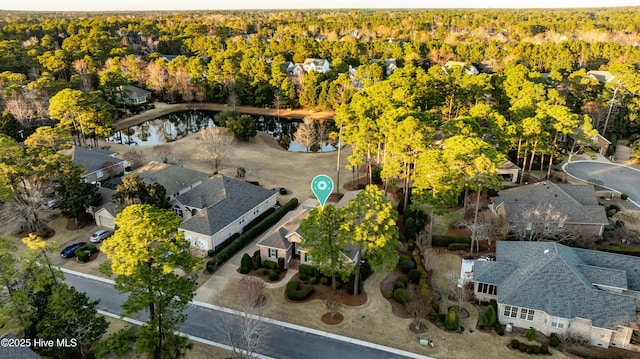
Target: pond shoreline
column 164, row 109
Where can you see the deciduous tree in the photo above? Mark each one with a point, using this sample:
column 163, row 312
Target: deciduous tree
column 214, row 144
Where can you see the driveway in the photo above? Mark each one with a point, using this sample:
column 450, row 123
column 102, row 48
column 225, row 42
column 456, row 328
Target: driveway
column 620, row 178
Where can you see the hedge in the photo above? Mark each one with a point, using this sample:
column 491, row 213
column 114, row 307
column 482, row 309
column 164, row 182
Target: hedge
column 528, row 348
column 223, row 245
column 458, row 247
column 258, row 219
column 295, row 293
column 246, row 237
column 270, row 264
column 407, row 265
column 620, row 250
column 444, row 241
column 307, row 270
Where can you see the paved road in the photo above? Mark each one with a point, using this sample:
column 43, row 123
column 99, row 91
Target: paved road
column 620, row 178
column 201, row 322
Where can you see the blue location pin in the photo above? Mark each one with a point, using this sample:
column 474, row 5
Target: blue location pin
column 322, row 185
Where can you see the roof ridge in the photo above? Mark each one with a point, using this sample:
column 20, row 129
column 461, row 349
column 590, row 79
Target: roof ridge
column 567, row 194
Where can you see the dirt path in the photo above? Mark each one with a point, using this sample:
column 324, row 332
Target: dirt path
column 163, row 109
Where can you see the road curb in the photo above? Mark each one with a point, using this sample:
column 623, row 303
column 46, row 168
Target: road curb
column 89, row 276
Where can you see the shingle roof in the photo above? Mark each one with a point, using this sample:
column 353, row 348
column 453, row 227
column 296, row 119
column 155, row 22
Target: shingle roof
column 172, row 178
column 559, row 280
column 287, row 225
column 92, row 159
column 602, row 76
column 577, row 202
column 239, row 198
column 135, row 92
column 14, row 352
column 204, row 195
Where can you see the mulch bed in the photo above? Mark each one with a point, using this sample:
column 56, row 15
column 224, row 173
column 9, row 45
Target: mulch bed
column 328, row 319
column 397, row 309
column 323, row 292
column 254, row 273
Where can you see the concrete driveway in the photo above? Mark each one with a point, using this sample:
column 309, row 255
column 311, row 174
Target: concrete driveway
column 620, row 178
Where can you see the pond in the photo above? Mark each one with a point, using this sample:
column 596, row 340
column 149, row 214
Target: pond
column 176, row 125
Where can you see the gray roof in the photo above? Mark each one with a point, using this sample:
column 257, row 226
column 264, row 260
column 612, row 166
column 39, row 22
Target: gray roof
column 559, row 280
column 577, row 202
column 602, row 76
column 172, row 178
column 135, row 92
column 237, row 199
column 13, row 352
column 92, row 159
column 204, row 195
column 105, row 200
column 287, row 225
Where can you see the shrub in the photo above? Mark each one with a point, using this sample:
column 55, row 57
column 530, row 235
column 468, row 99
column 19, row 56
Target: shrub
column 488, row 318
column 451, row 321
column 522, row 347
column 273, row 276
column 498, row 328
column 258, row 219
column 270, row 264
column 257, row 260
column 307, row 269
column 515, row 343
column 544, row 349
column 444, row 241
column 400, row 282
column 458, row 247
column 401, row 296
column 283, row 191
column 263, row 271
column 624, row 196
column 211, row 266
column 296, row 291
column 494, row 304
column 281, row 264
column 244, row 270
column 211, row 253
column 410, row 228
column 246, row 237
column 414, row 276
column 403, row 257
column 530, row 334
column 407, row 265
column 536, row 349
column 554, row 341
column 388, row 294
column 365, row 270
column 303, row 276
column 246, row 261
column 313, row 280
column 324, row 280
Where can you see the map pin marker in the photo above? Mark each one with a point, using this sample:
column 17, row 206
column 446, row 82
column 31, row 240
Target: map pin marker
column 322, row 185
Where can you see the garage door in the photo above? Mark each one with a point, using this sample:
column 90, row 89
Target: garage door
column 106, row 222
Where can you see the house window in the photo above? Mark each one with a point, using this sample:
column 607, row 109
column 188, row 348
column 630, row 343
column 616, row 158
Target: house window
column 177, row 210
column 241, row 220
column 273, row 253
column 557, row 323
column 99, row 173
column 527, row 314
column 306, row 257
column 490, row 289
column 510, row 311
column 256, row 210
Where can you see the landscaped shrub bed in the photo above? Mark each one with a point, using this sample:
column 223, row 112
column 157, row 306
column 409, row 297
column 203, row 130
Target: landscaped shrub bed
column 258, row 219
column 223, row 245
column 458, row 247
column 444, row 241
column 83, row 253
column 246, row 237
column 297, row 291
column 529, row 348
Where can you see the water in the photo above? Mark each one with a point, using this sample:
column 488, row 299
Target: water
column 177, row 125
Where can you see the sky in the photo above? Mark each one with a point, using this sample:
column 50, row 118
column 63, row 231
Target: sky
column 136, row 5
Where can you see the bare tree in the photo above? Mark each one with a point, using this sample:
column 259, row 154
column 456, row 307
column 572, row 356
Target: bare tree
column 246, row 332
column 110, row 168
column 537, row 222
column 277, row 101
column 213, row 145
column 460, row 295
column 479, row 232
column 135, row 157
column 163, row 152
column 306, row 134
column 21, row 109
column 82, row 69
column 428, row 258
column 333, row 305
column 420, row 307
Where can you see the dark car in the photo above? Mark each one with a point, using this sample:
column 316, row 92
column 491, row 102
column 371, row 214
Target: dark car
column 68, row 251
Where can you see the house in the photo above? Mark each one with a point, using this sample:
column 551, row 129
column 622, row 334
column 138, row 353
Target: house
column 546, row 207
column 390, row 66
column 105, row 212
column 468, row 68
column 219, row 207
column 285, row 238
column 317, row 65
column 99, row 163
column 558, row 289
column 135, row 95
column 601, row 76
column 15, row 351
column 599, row 141
column 509, row 171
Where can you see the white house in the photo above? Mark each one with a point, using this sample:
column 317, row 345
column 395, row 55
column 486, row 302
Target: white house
column 468, row 68
column 99, row 163
column 553, row 288
column 135, row 95
column 317, row 65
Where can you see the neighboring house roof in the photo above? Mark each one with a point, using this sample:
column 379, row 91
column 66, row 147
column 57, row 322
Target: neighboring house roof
column 577, row 202
column 105, row 201
column 92, row 159
column 390, row 66
column 560, row 280
column 135, row 92
column 469, row 68
column 210, row 192
column 314, row 64
column 228, row 203
column 601, row 76
column 16, row 352
column 172, row 178
column 508, row 165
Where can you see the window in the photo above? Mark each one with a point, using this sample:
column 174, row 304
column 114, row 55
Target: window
column 527, row 314
column 306, row 257
column 99, row 173
column 273, row 253
column 241, row 220
column 557, row 323
column 177, row 210
column 487, row 288
column 256, row 210
column 510, row 311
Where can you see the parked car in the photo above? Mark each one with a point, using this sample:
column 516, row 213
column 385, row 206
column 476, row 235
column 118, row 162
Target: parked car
column 67, row 252
column 487, row 257
column 100, row 235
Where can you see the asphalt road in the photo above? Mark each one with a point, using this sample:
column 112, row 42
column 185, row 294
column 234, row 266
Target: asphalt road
column 616, row 177
column 201, row 322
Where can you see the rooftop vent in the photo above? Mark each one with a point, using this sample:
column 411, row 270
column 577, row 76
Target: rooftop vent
column 546, row 251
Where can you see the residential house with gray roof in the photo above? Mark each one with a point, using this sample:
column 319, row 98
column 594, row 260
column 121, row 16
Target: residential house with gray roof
column 547, row 207
column 558, row 289
column 284, row 240
column 219, row 207
column 15, row 351
column 317, row 65
column 99, row 163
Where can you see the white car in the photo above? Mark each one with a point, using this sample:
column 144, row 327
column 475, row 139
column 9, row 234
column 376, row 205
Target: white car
column 100, row 235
